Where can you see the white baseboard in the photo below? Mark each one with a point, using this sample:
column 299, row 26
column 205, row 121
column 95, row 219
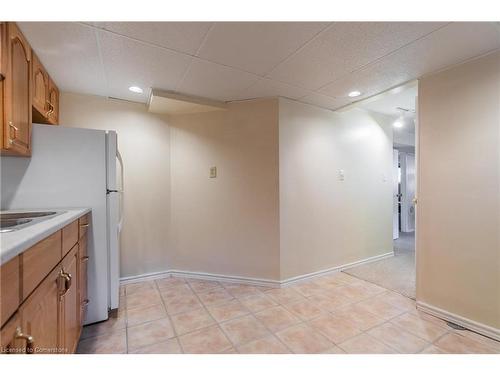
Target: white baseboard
column 472, row 325
column 144, row 277
column 226, row 278
column 247, row 280
column 200, row 276
column 331, row 270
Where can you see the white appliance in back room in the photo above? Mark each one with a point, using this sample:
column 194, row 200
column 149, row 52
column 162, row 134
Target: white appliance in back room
column 72, row 167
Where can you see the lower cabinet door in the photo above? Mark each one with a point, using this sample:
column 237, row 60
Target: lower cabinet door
column 70, row 302
column 12, row 338
column 84, row 260
column 40, row 315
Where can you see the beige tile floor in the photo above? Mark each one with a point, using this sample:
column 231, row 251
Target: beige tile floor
column 337, row 313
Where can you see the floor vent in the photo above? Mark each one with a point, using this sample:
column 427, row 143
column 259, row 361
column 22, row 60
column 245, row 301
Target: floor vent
column 456, row 326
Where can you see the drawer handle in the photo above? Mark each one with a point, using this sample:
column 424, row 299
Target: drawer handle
column 84, row 225
column 30, row 341
column 85, row 258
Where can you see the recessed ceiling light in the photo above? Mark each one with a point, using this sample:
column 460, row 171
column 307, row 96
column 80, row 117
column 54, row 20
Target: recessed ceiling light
column 398, row 124
column 353, row 94
column 135, row 89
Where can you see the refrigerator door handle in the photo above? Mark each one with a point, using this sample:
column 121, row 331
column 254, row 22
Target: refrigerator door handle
column 120, row 160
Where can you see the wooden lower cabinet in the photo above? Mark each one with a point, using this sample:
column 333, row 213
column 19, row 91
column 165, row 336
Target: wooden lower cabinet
column 70, row 304
column 40, row 315
column 9, row 289
column 82, row 278
column 10, row 342
column 48, row 320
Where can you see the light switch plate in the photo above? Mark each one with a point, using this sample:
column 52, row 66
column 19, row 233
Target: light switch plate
column 341, row 175
column 213, row 172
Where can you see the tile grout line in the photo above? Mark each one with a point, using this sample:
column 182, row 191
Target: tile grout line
column 176, row 336
column 208, row 312
column 126, row 318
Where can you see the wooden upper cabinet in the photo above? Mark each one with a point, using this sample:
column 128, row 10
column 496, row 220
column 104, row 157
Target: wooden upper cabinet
column 16, row 68
column 40, row 89
column 27, row 93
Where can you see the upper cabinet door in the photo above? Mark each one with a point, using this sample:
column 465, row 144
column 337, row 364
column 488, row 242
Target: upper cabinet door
column 17, row 94
column 40, row 88
column 53, row 103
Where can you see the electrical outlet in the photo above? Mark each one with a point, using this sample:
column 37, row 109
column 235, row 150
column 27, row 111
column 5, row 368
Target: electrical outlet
column 213, row 172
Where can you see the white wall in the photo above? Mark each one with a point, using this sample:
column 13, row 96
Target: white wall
column 144, row 143
column 325, row 222
column 276, row 209
column 226, row 225
column 458, row 212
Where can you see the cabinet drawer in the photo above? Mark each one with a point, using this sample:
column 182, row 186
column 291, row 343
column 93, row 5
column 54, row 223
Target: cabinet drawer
column 83, row 224
column 69, row 237
column 38, row 261
column 9, row 289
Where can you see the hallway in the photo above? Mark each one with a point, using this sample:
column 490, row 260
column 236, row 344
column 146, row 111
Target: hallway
column 396, row 273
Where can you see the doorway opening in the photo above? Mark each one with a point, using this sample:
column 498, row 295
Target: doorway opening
column 397, row 109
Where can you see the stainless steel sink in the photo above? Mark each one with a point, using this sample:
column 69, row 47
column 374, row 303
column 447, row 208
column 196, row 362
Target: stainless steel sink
column 11, row 221
column 27, row 214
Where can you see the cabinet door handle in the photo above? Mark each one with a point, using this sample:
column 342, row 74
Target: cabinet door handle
column 85, row 302
column 85, row 258
column 84, row 225
column 67, row 279
column 51, row 109
column 30, row 341
column 11, row 124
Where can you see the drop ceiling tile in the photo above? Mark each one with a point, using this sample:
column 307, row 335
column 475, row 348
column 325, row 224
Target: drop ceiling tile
column 70, row 54
column 345, row 47
column 265, row 88
column 215, row 81
column 180, row 36
column 324, row 101
column 453, row 44
column 256, row 47
column 130, row 63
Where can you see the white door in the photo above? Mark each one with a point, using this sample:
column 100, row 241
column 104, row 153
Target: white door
column 395, row 194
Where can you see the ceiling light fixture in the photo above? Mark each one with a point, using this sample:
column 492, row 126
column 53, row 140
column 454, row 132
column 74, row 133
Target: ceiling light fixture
column 398, row 124
column 353, row 94
column 135, row 89
column 400, row 121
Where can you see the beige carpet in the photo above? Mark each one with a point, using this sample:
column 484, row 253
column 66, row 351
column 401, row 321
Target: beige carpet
column 396, row 273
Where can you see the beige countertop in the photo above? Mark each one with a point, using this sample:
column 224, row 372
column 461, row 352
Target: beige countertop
column 16, row 242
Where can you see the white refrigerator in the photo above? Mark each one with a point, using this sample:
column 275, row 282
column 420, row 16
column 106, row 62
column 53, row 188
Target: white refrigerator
column 71, row 167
